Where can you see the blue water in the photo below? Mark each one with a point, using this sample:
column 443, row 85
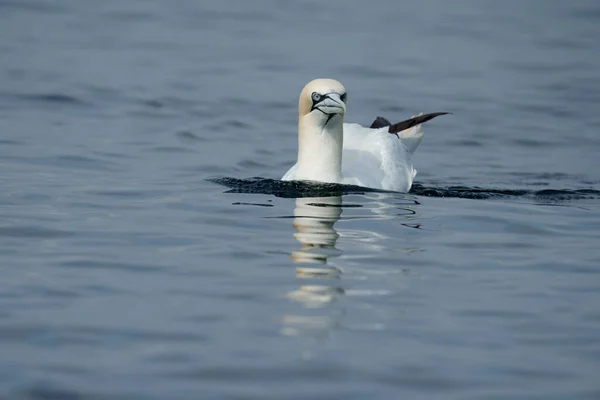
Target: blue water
column 128, row 272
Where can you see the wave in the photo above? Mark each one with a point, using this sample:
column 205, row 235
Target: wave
column 298, row 189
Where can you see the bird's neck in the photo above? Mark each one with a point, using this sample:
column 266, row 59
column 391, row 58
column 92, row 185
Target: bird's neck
column 320, row 149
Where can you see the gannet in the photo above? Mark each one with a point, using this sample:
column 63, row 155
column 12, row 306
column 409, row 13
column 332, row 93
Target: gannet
column 330, row 150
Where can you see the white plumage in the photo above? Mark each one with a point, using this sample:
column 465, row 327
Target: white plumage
column 330, row 150
column 375, row 158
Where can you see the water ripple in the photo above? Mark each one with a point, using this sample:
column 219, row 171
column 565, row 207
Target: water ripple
column 296, row 189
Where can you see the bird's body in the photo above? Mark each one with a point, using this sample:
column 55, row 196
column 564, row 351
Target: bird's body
column 330, row 150
column 374, row 158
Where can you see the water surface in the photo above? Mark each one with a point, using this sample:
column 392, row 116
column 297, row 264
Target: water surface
column 127, row 272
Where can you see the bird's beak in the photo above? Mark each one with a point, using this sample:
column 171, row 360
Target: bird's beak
column 332, row 104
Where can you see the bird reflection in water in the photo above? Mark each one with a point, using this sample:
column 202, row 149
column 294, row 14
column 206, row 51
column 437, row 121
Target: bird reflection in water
column 314, row 220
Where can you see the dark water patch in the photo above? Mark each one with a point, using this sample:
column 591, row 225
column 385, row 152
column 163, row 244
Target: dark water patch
column 49, row 335
column 533, row 67
column 231, row 16
column 586, row 12
column 226, row 373
column 174, row 102
column 543, row 109
column 545, row 176
column 152, row 103
column 90, row 264
column 463, row 192
column 238, row 203
column 251, row 164
column 114, row 155
column 168, row 107
column 132, row 194
column 40, row 392
column 194, row 171
column 289, row 189
column 170, row 149
column 81, row 162
column 100, row 290
column 564, row 195
column 95, row 91
column 564, row 43
column 130, row 16
column 50, row 293
column 265, row 152
column 296, row 189
column 414, row 378
column 541, row 373
column 103, row 334
column 138, row 143
column 66, row 369
column 97, row 206
column 230, row 123
column 9, row 142
column 468, row 143
column 52, row 99
column 187, row 136
column 153, row 114
column 335, row 205
column 550, row 195
column 534, row 143
column 32, row 232
column 22, row 5
column 496, row 314
column 70, row 162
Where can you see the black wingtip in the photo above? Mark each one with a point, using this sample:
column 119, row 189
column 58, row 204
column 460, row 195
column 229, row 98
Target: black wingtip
column 409, row 123
column 380, row 122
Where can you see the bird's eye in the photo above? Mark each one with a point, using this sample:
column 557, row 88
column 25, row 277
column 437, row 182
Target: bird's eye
column 316, row 97
column 344, row 97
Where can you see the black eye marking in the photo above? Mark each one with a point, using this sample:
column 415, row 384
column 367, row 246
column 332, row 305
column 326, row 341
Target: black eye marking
column 317, row 98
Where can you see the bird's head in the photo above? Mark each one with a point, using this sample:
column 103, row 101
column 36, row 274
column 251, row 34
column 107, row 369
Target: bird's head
column 323, row 100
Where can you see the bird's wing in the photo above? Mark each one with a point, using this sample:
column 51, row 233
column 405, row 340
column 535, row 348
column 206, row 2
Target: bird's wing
column 409, row 123
column 380, row 122
column 374, row 158
column 410, row 137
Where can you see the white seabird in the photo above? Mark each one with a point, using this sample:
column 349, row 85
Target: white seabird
column 330, row 150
